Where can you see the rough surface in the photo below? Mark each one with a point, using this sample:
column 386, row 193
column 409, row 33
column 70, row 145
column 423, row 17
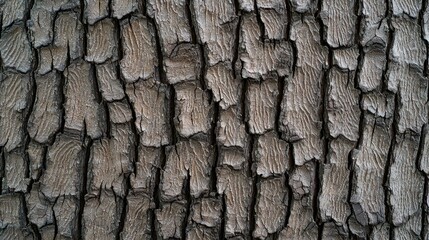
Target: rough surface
column 15, row 49
column 300, row 120
column 46, row 117
column 14, row 102
column 82, row 110
column 206, row 119
column 262, row 104
column 139, row 58
column 102, row 42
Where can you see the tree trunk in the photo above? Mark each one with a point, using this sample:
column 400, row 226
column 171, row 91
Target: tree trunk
column 207, row 119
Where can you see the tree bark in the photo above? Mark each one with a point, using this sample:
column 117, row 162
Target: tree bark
column 207, row 119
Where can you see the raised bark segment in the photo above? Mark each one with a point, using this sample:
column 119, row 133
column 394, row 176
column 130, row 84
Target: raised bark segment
column 12, row 11
column 339, row 20
column 407, row 46
column 405, row 184
column 216, row 23
column 66, row 213
column 301, row 224
column 120, row 8
column 15, row 49
column 41, row 20
column 379, row 104
column 110, row 161
column 425, row 229
column 139, row 52
column 299, row 118
column 14, row 93
column 380, row 231
column 405, row 75
column 233, row 158
column 236, row 187
column 333, row 196
column 406, row 7
column 40, row 25
column 101, row 216
column 137, row 218
column 119, row 112
column 374, row 28
column 149, row 100
column 170, row 220
column 262, row 106
column 271, row 155
column 40, row 211
column 225, row 87
column 343, row 106
column 346, row 58
column 207, row 212
column 108, row 82
column 68, row 35
column 373, row 66
column 202, row 232
column 369, row 163
column 16, row 233
column 143, row 178
column 45, row 60
column 183, row 64
column 425, row 23
column 190, row 159
column 193, row 110
column 405, row 78
column 231, row 132
column 262, row 58
column 13, row 220
column 11, row 208
column 303, row 6
column 15, row 167
column 102, row 44
column 409, row 230
column 246, row 5
column 36, row 156
column 205, row 219
column 330, row 231
column 271, row 207
column 63, row 175
column 411, row 87
column 274, row 16
column 46, row 117
column 96, row 10
column 82, row 110
column 166, row 12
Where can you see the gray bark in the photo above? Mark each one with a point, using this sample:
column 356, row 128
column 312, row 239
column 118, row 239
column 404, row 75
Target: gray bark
column 207, row 119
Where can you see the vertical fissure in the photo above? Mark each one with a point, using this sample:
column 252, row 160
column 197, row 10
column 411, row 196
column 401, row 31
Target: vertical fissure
column 289, row 187
column 213, row 142
column 255, row 181
column 83, row 187
column 261, row 24
column 123, row 202
column 188, row 204
column 281, row 88
column 389, row 162
column 394, row 130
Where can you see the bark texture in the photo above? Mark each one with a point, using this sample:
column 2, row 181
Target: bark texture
column 214, row 119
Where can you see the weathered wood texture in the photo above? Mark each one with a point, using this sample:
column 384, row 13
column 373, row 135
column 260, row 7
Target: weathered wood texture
column 214, row 119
